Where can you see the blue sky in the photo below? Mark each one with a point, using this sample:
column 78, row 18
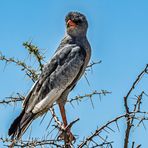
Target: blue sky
column 118, row 34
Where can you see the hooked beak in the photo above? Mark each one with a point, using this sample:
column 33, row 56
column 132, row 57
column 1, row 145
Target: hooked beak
column 71, row 24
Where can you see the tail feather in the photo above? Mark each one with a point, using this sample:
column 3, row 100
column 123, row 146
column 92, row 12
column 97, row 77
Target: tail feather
column 20, row 124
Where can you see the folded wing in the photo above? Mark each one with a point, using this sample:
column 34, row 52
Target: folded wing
column 59, row 74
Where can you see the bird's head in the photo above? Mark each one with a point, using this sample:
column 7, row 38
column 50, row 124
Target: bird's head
column 76, row 24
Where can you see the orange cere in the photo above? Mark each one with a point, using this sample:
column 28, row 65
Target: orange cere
column 71, row 23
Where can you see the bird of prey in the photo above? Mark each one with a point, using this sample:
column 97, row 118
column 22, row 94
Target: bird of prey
column 59, row 75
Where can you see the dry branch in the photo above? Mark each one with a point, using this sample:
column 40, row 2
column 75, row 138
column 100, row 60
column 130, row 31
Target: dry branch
column 93, row 63
column 33, row 143
column 15, row 99
column 24, row 67
column 130, row 115
column 97, row 132
column 129, row 120
column 90, row 95
column 35, row 51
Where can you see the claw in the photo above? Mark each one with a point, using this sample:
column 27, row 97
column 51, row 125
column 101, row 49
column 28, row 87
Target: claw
column 71, row 137
column 67, row 135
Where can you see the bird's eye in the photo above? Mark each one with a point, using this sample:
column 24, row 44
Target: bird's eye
column 78, row 21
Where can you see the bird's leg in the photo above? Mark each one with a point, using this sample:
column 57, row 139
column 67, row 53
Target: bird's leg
column 63, row 114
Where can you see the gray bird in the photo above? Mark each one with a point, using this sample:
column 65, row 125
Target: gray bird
column 59, row 75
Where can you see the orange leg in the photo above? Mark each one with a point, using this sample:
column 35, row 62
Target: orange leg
column 63, row 114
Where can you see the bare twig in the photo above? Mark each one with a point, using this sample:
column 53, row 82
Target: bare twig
column 93, row 63
column 90, row 95
column 64, row 130
column 97, row 132
column 129, row 123
column 133, row 86
column 33, row 142
column 12, row 99
column 59, row 124
column 34, row 50
column 24, row 67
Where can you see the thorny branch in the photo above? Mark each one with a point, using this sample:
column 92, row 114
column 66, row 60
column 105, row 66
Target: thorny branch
column 98, row 131
column 133, row 86
column 130, row 116
column 34, row 50
column 24, row 67
column 11, row 100
column 71, row 100
column 63, row 129
column 93, row 63
column 90, row 95
column 57, row 121
column 129, row 120
column 33, row 142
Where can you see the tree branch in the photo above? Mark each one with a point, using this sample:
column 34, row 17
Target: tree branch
column 130, row 120
column 24, row 67
column 34, row 50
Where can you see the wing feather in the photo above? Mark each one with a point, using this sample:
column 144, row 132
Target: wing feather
column 58, row 74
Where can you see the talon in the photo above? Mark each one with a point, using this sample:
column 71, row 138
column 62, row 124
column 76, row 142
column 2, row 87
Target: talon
column 68, row 136
column 71, row 137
